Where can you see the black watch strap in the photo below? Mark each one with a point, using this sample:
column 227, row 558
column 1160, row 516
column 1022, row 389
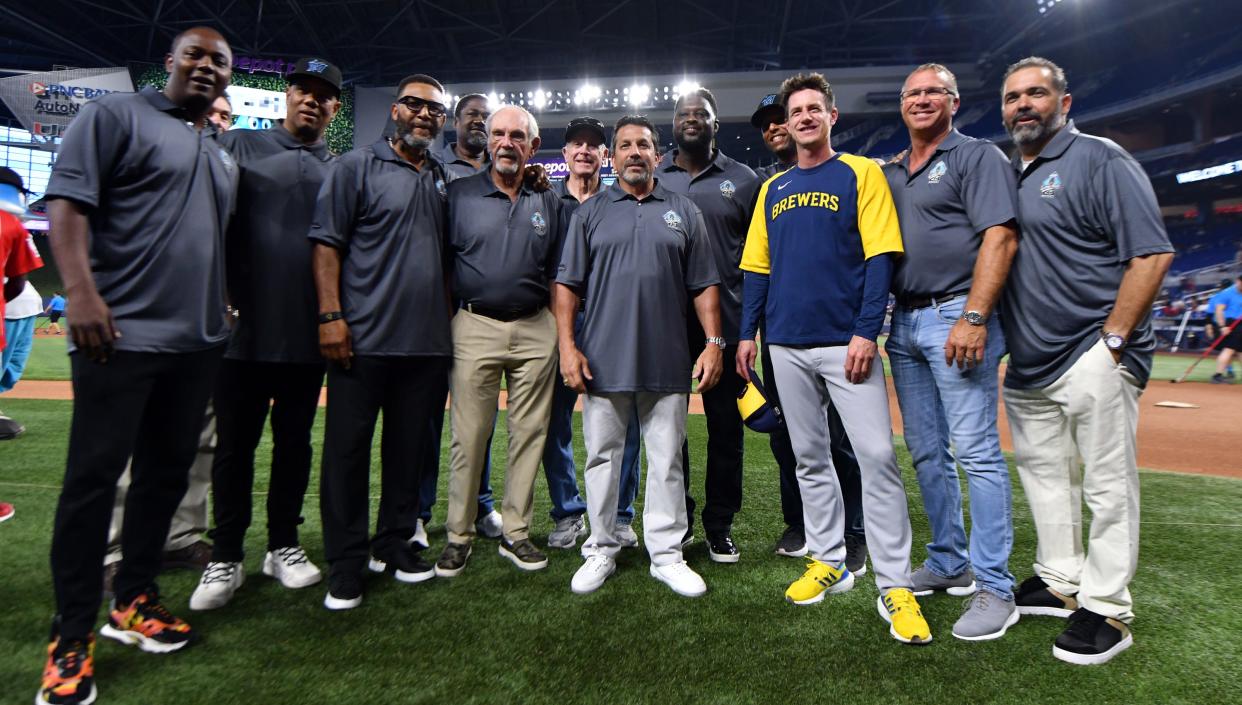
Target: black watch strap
column 330, row 316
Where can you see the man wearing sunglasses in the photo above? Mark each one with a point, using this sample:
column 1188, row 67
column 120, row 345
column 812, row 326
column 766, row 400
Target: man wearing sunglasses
column 378, row 234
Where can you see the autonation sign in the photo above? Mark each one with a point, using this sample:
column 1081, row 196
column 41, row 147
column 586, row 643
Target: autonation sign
column 44, row 103
column 1211, row 172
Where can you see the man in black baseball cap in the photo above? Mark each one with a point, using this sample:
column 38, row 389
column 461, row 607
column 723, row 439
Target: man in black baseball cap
column 769, row 119
column 316, row 69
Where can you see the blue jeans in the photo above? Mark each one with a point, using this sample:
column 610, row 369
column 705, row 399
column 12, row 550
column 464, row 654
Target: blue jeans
column 431, row 472
column 19, row 339
column 561, row 473
column 942, row 405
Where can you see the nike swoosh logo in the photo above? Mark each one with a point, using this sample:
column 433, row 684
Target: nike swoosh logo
column 781, row 186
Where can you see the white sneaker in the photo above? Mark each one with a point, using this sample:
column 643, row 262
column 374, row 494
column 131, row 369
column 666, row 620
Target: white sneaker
column 490, row 526
column 291, row 567
column 592, row 574
column 680, row 578
column 216, row 586
column 419, row 539
column 627, row 536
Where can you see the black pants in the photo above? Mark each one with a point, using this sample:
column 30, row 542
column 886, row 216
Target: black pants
column 848, row 474
column 722, row 479
column 146, row 405
column 244, row 393
column 408, row 390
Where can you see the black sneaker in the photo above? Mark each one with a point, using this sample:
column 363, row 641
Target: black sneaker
column 523, row 554
column 1218, row 378
column 406, row 563
column 856, row 554
column 10, row 429
column 1036, row 599
column 1091, row 639
column 792, row 543
column 453, row 560
column 721, row 549
column 344, row 591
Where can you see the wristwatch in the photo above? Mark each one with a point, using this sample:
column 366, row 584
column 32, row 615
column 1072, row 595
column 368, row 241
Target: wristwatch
column 1113, row 341
column 718, row 342
column 330, row 316
column 974, row 318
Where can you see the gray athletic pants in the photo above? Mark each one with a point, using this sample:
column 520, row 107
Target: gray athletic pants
column 810, row 379
column 662, row 419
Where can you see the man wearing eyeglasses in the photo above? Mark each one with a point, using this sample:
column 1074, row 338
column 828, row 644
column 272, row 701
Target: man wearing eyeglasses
column 378, row 234
column 955, row 199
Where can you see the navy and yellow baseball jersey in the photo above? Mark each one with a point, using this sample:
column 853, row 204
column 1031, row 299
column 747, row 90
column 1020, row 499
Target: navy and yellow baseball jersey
column 811, row 237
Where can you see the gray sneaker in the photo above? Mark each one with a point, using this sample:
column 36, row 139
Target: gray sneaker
column 985, row 617
column 567, row 532
column 627, row 536
column 924, row 582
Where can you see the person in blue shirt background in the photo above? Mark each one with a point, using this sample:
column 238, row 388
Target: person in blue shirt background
column 55, row 309
column 1226, row 308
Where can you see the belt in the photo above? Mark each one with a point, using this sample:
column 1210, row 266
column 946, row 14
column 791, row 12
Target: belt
column 501, row 315
column 913, row 302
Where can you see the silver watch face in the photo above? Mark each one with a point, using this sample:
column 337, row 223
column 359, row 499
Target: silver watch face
column 1114, row 341
column 974, row 318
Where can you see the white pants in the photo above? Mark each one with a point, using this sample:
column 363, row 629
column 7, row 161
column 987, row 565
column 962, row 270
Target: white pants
column 662, row 420
column 1092, row 411
column 809, row 380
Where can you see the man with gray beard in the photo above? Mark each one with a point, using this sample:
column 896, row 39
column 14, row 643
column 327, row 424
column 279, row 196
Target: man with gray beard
column 378, row 236
column 505, row 240
column 1078, row 325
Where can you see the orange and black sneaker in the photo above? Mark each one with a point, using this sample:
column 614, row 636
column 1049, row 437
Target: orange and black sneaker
column 69, row 676
column 145, row 623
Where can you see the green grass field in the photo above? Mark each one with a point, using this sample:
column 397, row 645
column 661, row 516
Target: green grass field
column 49, row 362
column 495, row 635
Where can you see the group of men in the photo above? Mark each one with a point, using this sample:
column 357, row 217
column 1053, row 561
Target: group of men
column 410, row 270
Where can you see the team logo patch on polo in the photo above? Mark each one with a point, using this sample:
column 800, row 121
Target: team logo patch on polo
column 539, row 224
column 672, row 220
column 727, row 189
column 936, row 173
column 1050, row 186
column 227, row 159
column 441, row 188
column 316, row 66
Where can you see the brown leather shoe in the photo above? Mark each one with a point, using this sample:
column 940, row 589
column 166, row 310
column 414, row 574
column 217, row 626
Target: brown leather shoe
column 197, row 555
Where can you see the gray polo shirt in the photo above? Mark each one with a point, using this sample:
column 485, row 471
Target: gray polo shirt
column 387, row 219
column 505, row 252
column 636, row 263
column 1085, row 208
column 158, row 193
column 270, row 278
column 966, row 187
column 725, row 192
column 569, row 202
column 454, row 166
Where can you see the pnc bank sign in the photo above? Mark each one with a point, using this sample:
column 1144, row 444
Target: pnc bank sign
column 62, row 99
column 46, row 102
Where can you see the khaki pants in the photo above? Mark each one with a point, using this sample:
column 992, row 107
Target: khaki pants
column 190, row 521
column 1092, row 411
column 524, row 351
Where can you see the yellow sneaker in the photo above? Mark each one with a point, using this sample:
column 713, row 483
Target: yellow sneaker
column 819, row 579
column 899, row 608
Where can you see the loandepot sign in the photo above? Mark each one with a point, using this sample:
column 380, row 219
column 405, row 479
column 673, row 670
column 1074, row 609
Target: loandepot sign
column 45, row 103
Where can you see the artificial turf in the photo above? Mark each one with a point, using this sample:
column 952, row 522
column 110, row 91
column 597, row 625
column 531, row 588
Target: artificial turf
column 497, row 635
